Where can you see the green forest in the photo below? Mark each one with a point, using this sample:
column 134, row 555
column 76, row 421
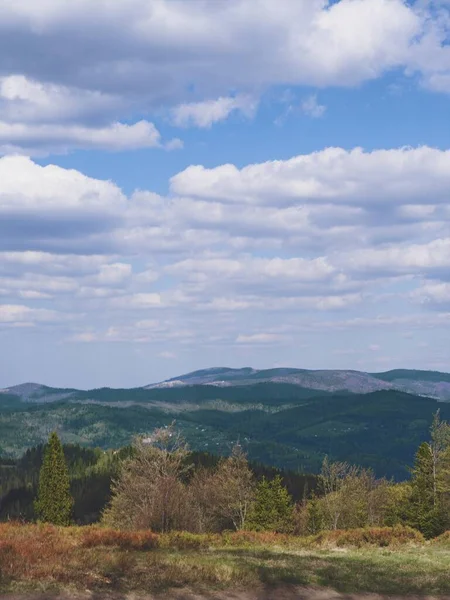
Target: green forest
column 281, row 425
column 159, row 483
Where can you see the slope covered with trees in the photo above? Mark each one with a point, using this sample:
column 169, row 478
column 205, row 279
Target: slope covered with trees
column 278, row 424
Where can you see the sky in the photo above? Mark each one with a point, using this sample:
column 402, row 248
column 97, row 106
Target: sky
column 195, row 183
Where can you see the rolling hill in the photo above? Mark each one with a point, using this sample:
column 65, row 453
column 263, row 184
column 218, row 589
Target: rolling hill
column 287, row 418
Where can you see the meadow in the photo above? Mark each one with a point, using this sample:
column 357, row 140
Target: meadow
column 48, row 560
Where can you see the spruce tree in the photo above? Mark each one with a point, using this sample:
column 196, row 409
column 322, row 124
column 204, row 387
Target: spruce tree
column 54, row 503
column 424, row 514
column 315, row 517
column 273, row 507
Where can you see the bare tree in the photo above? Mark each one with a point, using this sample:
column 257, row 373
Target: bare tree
column 234, row 488
column 204, row 499
column 333, row 478
column 352, row 496
column 149, row 492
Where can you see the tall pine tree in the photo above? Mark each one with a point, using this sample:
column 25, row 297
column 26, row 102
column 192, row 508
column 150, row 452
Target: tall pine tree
column 54, row 503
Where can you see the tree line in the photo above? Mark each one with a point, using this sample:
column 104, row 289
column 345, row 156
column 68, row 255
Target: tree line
column 159, row 485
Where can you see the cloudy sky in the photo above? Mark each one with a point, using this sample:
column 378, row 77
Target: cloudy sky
column 195, row 183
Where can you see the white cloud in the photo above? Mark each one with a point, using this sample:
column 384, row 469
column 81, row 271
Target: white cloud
column 433, row 293
column 15, row 313
column 260, row 338
column 29, row 189
column 138, row 301
column 380, row 177
column 137, row 59
column 407, row 259
column 113, row 274
column 205, row 114
column 311, row 107
column 196, row 62
column 229, row 274
column 215, row 45
column 167, row 354
column 34, row 295
column 24, row 100
column 56, row 139
column 52, row 263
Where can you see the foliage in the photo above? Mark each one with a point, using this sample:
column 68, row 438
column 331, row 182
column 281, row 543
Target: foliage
column 54, row 503
column 430, row 483
column 279, row 425
column 272, row 509
column 149, row 492
column 159, row 485
column 235, row 488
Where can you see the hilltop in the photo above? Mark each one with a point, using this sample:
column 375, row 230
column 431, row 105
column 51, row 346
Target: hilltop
column 432, row 384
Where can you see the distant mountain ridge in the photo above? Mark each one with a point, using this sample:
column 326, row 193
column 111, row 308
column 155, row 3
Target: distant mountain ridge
column 432, row 384
column 287, row 417
column 425, row 383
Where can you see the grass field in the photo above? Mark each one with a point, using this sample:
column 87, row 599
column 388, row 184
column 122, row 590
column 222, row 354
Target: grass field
column 45, row 559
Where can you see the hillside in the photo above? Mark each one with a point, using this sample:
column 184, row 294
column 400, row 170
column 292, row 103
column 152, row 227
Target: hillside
column 280, row 423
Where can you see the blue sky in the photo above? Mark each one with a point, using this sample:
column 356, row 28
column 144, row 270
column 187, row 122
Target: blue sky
column 186, row 184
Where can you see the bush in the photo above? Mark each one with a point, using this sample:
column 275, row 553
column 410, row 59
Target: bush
column 125, row 540
column 31, row 552
column 183, row 540
column 443, row 539
column 382, row 537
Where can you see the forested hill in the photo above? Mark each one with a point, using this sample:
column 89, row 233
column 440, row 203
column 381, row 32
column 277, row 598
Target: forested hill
column 91, row 472
column 279, row 423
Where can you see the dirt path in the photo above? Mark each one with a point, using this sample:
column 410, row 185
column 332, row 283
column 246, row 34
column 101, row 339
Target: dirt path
column 281, row 593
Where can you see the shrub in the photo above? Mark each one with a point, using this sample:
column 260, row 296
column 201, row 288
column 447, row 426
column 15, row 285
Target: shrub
column 31, row 552
column 381, row 537
column 443, row 539
column 126, row 540
column 182, row 540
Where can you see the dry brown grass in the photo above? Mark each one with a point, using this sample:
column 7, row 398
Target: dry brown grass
column 380, row 537
column 103, row 560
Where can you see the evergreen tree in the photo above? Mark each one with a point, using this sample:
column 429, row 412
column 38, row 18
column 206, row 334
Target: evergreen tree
column 424, row 513
column 273, row 507
column 54, row 503
column 314, row 513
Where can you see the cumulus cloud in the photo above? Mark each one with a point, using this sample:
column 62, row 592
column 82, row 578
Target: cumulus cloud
column 205, row 114
column 303, row 241
column 199, row 62
column 113, row 274
column 380, row 177
column 434, row 294
column 27, row 188
column 59, row 139
column 24, row 100
column 19, row 314
column 301, row 41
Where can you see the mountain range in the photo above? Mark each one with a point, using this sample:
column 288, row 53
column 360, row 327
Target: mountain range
column 432, row 384
column 288, row 418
